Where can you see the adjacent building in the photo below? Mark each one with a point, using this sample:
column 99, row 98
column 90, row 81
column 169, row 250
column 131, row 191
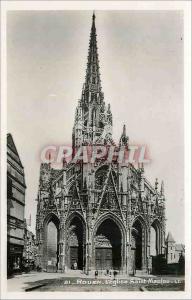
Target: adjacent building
column 15, row 207
column 173, row 251
column 30, row 249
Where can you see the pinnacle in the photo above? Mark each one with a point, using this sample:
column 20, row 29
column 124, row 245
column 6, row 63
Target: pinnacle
column 170, row 237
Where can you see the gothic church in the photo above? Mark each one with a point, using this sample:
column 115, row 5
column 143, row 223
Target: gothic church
column 97, row 216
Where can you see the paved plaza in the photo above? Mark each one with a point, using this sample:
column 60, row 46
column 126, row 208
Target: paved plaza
column 77, row 281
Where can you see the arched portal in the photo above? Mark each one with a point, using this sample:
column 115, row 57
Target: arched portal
column 153, row 242
column 108, row 243
column 155, row 238
column 51, row 245
column 137, row 245
column 76, row 244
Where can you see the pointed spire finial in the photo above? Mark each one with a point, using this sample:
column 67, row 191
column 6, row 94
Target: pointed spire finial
column 93, row 17
column 64, row 163
column 156, row 184
column 93, row 21
column 124, row 138
column 142, row 167
column 124, row 130
column 162, row 188
column 49, row 158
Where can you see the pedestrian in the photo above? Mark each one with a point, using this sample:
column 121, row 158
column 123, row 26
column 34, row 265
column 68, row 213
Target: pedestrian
column 114, row 273
column 75, row 265
column 149, row 265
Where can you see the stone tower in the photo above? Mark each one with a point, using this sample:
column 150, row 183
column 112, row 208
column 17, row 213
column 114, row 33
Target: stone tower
column 93, row 120
column 170, row 248
column 97, row 215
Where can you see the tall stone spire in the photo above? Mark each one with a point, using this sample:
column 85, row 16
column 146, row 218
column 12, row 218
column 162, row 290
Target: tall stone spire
column 162, row 188
column 93, row 120
column 92, row 80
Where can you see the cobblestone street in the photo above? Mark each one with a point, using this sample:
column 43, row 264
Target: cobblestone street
column 77, row 281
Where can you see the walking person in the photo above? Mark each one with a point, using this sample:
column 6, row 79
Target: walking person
column 149, row 265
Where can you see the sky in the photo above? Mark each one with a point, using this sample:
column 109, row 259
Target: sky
column 141, row 65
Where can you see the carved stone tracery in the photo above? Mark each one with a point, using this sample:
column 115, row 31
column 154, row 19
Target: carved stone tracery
column 99, row 191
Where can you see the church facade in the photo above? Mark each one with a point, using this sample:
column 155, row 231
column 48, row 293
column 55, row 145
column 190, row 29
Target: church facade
column 98, row 215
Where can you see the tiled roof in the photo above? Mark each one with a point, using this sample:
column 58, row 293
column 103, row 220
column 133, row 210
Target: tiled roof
column 11, row 145
column 170, row 238
column 179, row 247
